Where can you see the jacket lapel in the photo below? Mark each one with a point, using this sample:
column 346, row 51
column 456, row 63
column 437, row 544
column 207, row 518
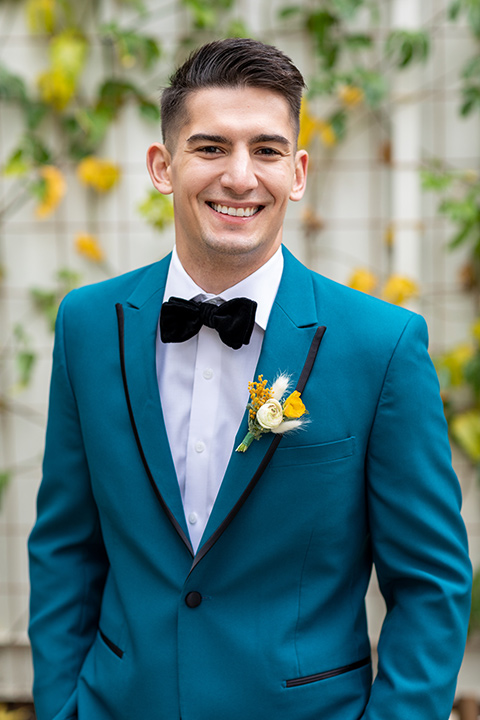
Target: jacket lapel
column 291, row 328
column 138, row 319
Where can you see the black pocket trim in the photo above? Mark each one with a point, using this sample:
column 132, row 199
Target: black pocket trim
column 328, row 673
column 114, row 648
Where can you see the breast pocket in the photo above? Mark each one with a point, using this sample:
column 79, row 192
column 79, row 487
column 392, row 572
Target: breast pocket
column 313, row 454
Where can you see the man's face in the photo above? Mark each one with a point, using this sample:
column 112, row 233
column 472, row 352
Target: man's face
column 232, row 171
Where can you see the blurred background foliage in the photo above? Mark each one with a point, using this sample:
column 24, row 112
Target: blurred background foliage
column 65, row 118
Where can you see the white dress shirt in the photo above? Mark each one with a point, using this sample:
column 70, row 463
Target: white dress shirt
column 203, row 387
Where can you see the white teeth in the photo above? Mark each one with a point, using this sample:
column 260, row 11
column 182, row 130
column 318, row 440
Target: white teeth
column 236, row 212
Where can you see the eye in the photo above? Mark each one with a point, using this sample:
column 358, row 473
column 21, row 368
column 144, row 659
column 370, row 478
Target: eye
column 267, row 151
column 210, row 150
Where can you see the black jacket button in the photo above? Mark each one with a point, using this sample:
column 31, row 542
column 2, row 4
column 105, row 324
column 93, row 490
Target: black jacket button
column 193, row 599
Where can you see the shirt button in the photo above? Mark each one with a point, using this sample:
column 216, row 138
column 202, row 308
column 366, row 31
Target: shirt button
column 192, row 518
column 199, row 446
column 208, row 373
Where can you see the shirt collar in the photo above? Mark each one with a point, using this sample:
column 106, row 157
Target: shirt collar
column 261, row 286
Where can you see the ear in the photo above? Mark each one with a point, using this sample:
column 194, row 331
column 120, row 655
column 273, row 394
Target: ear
column 158, row 164
column 300, row 176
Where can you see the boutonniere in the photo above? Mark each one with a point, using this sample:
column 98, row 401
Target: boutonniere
column 270, row 411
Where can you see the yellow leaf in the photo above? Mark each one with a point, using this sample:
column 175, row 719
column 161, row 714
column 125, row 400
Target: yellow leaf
column 55, row 188
column 350, row 95
column 88, row 246
column 308, row 126
column 466, row 432
column 455, row 361
column 41, row 15
column 327, row 134
column 398, row 289
column 101, row 175
column 68, row 52
column 56, row 87
column 363, row 280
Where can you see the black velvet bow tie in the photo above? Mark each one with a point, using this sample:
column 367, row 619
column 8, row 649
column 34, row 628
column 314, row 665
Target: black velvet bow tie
column 181, row 319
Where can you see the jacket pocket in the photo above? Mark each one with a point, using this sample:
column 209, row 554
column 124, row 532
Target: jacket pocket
column 111, row 645
column 313, row 454
column 307, row 679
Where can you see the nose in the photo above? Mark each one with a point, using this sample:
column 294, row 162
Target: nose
column 239, row 174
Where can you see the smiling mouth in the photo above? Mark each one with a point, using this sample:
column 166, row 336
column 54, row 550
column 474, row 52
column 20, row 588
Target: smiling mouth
column 235, row 212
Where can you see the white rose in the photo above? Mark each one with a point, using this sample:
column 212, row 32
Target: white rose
column 270, row 415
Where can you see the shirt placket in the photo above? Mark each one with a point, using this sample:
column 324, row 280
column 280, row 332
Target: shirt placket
column 199, row 489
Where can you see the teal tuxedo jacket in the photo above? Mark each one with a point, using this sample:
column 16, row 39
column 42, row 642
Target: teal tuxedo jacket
column 267, row 620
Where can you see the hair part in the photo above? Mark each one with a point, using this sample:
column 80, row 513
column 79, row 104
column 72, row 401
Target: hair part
column 231, row 63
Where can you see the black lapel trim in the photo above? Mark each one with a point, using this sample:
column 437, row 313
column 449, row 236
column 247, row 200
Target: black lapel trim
column 302, row 381
column 171, row 517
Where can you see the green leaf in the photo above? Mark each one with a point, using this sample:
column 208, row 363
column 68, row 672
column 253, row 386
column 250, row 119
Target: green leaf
column 34, row 113
column 462, row 236
column 204, row 16
column 471, row 98
column 373, row 84
column 31, row 153
column 157, row 209
column 436, row 180
column 289, row 11
column 16, row 165
column 347, row 8
column 114, row 93
column 132, row 47
column 454, row 9
column 323, row 25
column 25, row 363
column 358, row 42
column 149, row 111
column 12, row 87
column 237, row 29
column 338, row 121
column 472, row 68
column 406, row 46
column 5, row 477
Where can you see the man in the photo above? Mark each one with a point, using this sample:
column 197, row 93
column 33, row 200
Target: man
column 173, row 577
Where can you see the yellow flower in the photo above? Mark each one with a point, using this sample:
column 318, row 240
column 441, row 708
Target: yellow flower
column 363, row 280
column 466, row 431
column 308, row 126
column 259, row 394
column 54, row 188
column 293, row 406
column 41, row 15
column 351, row 95
column 476, row 330
column 327, row 134
column 455, row 361
column 101, row 175
column 56, row 87
column 88, row 246
column 398, row 289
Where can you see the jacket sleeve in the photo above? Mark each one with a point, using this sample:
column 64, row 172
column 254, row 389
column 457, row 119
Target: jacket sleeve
column 68, row 563
column 418, row 539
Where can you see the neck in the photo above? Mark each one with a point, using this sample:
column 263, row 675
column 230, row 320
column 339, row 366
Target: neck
column 215, row 275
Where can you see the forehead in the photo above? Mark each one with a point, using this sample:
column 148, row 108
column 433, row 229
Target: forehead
column 237, row 110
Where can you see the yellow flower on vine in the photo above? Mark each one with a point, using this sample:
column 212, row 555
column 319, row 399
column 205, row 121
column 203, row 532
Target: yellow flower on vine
column 88, row 246
column 398, row 289
column 364, row 280
column 101, row 175
column 53, row 188
column 56, row 87
column 351, row 95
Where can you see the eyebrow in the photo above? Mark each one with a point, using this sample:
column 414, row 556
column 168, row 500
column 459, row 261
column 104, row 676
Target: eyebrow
column 263, row 138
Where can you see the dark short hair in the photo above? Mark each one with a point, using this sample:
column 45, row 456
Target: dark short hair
column 235, row 63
